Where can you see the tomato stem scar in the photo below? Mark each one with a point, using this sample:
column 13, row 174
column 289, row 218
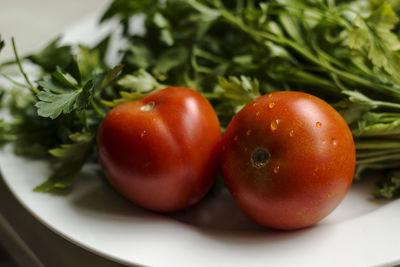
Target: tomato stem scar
column 260, row 157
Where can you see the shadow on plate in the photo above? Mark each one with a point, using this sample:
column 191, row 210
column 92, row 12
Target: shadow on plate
column 216, row 212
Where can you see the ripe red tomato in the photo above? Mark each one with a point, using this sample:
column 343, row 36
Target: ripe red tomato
column 161, row 152
column 288, row 159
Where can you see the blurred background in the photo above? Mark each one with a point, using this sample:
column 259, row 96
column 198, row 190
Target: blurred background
column 33, row 23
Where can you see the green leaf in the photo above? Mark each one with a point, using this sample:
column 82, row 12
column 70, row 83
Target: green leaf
column 31, row 135
column 374, row 34
column 292, row 27
column 389, row 187
column 350, row 111
column 70, row 159
column 359, row 98
column 240, row 91
column 140, row 81
column 165, row 30
column 66, row 151
column 73, row 69
column 124, row 97
column 125, row 9
column 65, row 79
column 52, row 56
column 384, row 18
column 89, row 61
column 111, row 75
column 139, row 55
column 62, row 94
column 357, row 38
column 378, row 124
column 170, row 59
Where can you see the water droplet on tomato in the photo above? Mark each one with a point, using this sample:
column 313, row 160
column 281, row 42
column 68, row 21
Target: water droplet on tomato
column 257, row 113
column 276, row 169
column 271, row 105
column 274, row 125
column 291, row 133
column 142, row 134
column 254, row 104
column 334, row 142
column 318, row 124
column 248, row 132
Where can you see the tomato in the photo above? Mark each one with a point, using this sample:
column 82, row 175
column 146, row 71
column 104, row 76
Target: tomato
column 288, row 159
column 161, row 152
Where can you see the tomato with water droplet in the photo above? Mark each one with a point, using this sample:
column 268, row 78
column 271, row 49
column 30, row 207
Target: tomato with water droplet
column 285, row 175
column 161, row 152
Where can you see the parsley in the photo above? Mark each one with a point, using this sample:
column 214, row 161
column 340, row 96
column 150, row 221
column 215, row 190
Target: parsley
column 346, row 52
column 70, row 159
column 61, row 93
column 52, row 55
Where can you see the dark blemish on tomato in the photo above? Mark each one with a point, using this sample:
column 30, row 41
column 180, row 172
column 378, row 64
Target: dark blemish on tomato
column 260, row 157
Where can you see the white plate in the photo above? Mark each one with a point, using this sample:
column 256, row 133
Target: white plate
column 361, row 232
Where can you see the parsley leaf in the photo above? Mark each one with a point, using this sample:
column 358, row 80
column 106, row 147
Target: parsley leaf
column 375, row 36
column 390, row 186
column 140, row 81
column 125, row 9
column 70, row 159
column 52, row 56
column 62, row 94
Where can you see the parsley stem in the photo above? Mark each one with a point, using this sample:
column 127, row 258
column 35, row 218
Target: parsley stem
column 379, row 159
column 9, row 62
column 96, row 108
column 257, row 35
column 17, row 58
column 12, row 80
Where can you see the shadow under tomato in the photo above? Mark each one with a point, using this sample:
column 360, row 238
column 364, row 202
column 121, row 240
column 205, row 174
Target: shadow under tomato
column 215, row 213
column 218, row 212
column 93, row 194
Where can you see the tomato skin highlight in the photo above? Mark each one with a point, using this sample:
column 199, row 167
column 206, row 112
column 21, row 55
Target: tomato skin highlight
column 288, row 159
column 161, row 152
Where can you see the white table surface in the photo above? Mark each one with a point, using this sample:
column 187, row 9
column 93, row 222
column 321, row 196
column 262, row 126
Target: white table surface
column 33, row 23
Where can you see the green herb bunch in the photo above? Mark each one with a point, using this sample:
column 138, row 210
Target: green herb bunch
column 346, row 52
